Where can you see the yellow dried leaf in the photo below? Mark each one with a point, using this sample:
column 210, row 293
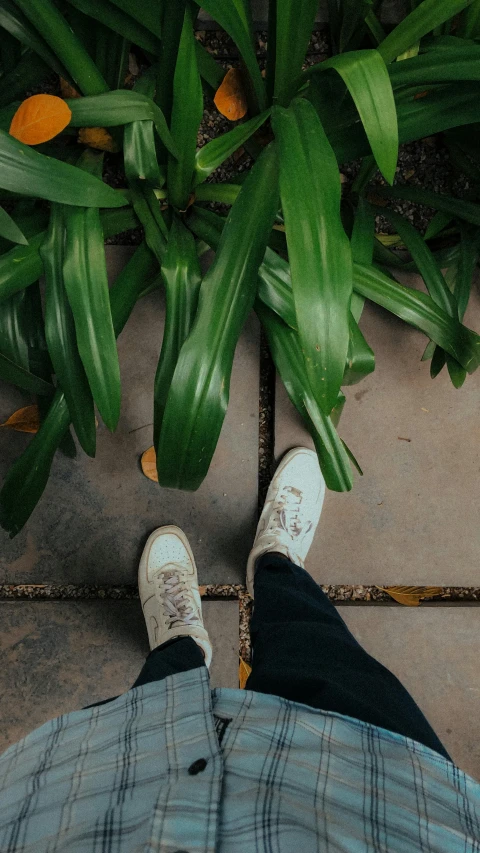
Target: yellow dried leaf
column 97, row 137
column 24, row 420
column 411, row 595
column 230, row 98
column 244, row 671
column 67, row 90
column 39, row 119
column 149, row 464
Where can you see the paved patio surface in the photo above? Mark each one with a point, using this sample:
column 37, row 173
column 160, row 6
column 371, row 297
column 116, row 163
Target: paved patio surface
column 412, row 519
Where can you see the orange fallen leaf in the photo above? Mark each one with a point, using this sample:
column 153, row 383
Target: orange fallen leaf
column 149, row 464
column 97, row 137
column 230, row 99
column 411, row 595
column 40, row 118
column 24, row 420
column 67, row 90
column 244, row 671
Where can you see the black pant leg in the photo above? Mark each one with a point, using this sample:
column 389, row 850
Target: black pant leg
column 303, row 651
column 177, row 655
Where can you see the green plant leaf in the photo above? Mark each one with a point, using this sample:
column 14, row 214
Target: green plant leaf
column 318, row 248
column 111, row 56
column 224, row 193
column 275, row 291
column 444, row 106
column 27, row 172
column 437, row 224
column 469, row 24
column 53, row 28
column 439, row 358
column 86, row 284
column 275, row 283
column 181, row 276
column 360, row 357
column 215, row 152
column 209, row 69
column 467, row 261
column 22, row 265
column 422, row 20
column 140, row 157
column 14, row 343
column 14, row 22
column 287, row 355
column 420, row 311
column 61, row 336
column 436, row 286
column 199, row 391
column 23, row 76
column 28, row 476
column 187, row 112
column 9, row 230
column 120, row 107
column 294, row 25
column 437, row 66
column 147, row 14
column 366, row 76
column 233, row 19
column 11, row 372
column 424, row 260
column 467, row 210
column 141, row 268
column 139, row 148
column 362, row 245
column 119, row 21
column 147, row 209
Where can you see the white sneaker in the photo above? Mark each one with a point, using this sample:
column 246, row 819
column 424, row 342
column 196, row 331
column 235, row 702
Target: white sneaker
column 168, row 587
column 292, row 510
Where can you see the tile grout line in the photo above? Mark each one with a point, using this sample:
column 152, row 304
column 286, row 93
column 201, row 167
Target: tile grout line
column 339, row 594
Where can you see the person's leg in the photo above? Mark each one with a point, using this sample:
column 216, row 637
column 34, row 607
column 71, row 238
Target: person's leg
column 302, row 649
column 172, row 607
column 172, row 657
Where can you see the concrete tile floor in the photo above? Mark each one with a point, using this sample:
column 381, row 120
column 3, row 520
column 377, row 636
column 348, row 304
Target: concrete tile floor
column 58, row 656
column 95, row 515
column 413, row 517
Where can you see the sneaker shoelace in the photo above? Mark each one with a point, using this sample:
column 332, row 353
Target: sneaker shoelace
column 286, row 515
column 176, row 599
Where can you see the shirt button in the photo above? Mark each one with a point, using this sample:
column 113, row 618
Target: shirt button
column 197, row 766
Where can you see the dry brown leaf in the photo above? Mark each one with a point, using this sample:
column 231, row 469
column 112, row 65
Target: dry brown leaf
column 230, row 99
column 67, row 90
column 244, row 671
column 24, row 420
column 97, row 137
column 411, row 595
column 40, row 118
column 149, row 464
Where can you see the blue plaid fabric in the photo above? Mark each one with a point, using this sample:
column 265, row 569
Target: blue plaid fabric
column 173, row 766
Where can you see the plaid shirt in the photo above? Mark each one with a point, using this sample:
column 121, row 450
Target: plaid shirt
column 173, row 766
